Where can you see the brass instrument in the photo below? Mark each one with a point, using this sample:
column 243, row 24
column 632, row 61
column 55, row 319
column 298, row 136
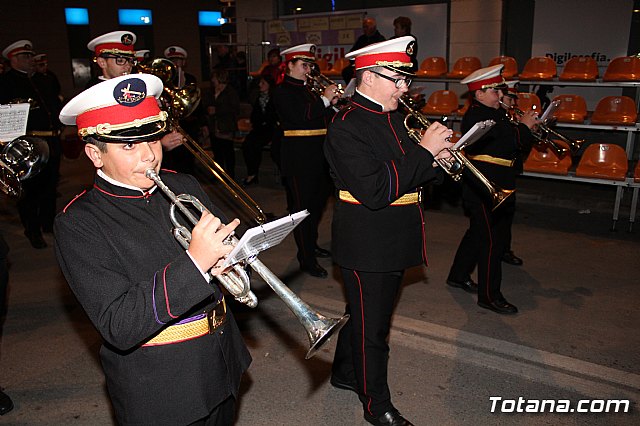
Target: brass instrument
column 319, row 82
column 545, row 134
column 455, row 164
column 21, row 159
column 319, row 328
column 179, row 103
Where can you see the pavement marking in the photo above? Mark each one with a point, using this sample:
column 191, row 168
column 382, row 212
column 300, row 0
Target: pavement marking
column 534, row 364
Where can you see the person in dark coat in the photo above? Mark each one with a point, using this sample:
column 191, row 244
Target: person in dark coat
column 378, row 224
column 37, row 207
column 370, row 35
column 495, row 155
column 304, row 116
column 172, row 352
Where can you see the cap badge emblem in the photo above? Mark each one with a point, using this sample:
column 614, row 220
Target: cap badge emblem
column 130, row 92
column 410, row 47
column 126, row 39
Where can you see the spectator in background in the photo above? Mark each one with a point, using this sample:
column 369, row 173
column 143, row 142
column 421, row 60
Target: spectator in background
column 401, row 28
column 370, row 35
column 222, row 106
column 275, row 68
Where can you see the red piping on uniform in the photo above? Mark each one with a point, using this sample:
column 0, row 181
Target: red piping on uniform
column 166, row 297
column 368, row 109
column 395, row 171
column 364, row 356
column 347, row 112
column 168, row 170
column 145, row 195
column 74, row 199
column 486, row 219
column 394, row 133
column 424, row 238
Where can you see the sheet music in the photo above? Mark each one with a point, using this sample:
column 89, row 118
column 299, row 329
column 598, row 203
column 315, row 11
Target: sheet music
column 13, row 121
column 548, row 113
column 265, row 236
column 476, row 132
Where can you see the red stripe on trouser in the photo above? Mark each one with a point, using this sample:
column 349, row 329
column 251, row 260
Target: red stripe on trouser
column 486, row 221
column 364, row 356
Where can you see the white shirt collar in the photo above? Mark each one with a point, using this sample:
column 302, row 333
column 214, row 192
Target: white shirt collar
column 124, row 185
column 371, row 99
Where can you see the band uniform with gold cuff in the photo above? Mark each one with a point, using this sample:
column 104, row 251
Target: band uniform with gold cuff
column 493, row 160
column 312, row 132
column 207, row 324
column 405, row 200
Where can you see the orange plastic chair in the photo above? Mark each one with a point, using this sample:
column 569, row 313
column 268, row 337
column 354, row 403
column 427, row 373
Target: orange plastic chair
column 580, row 68
column 337, row 67
column 323, row 65
column 464, row 66
column 441, row 102
column 527, row 101
column 603, row 161
column 624, row 68
column 257, row 74
column 572, row 109
column 544, row 160
column 615, row 110
column 636, row 172
column 510, row 69
column 539, row 68
column 463, row 109
column 433, row 66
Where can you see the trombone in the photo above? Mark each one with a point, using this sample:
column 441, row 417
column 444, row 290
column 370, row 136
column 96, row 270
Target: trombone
column 454, row 165
column 319, row 328
column 179, row 103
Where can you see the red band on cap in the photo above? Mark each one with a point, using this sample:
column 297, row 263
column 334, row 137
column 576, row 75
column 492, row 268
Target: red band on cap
column 118, row 114
column 18, row 50
column 304, row 54
column 374, row 59
column 113, row 46
column 477, row 85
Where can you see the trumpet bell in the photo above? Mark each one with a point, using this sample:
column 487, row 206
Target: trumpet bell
column 162, row 68
column 182, row 102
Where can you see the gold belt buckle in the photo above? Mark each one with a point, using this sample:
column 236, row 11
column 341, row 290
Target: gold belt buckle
column 217, row 316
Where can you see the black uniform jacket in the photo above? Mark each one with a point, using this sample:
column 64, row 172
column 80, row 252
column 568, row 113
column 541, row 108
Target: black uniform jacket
column 371, row 156
column 116, row 250
column 300, row 109
column 504, row 140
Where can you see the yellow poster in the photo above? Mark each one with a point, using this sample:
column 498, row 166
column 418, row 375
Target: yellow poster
column 314, row 37
column 283, row 39
column 346, row 37
column 313, row 24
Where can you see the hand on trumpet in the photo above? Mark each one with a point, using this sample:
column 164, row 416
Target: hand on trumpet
column 171, row 140
column 209, row 245
column 332, row 93
column 436, row 139
column 530, row 119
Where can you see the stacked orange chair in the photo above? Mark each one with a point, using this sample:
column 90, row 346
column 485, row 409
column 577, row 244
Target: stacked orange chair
column 580, row 68
column 464, row 107
column 336, row 69
column 510, row 69
column 441, row 102
column 625, row 68
column 603, row 161
column 545, row 160
column 615, row 110
column 528, row 101
column 256, row 74
column 323, row 65
column 464, row 66
column 433, row 67
column 636, row 172
column 572, row 109
column 539, row 68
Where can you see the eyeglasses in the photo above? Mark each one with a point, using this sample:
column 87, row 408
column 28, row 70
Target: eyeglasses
column 121, row 60
column 397, row 81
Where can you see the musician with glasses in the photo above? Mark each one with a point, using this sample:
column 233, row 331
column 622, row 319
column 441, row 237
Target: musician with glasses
column 114, row 54
column 172, row 353
column 495, row 155
column 378, row 224
column 304, row 116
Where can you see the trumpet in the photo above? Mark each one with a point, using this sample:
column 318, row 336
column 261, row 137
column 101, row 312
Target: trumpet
column 455, row 164
column 319, row 82
column 545, row 133
column 179, row 103
column 21, row 159
column 319, row 328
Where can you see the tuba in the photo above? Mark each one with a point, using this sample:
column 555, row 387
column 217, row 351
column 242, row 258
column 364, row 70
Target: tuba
column 21, row 159
column 454, row 165
column 319, row 328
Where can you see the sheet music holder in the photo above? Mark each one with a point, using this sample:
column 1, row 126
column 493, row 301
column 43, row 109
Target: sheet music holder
column 13, row 121
column 262, row 237
column 350, row 90
column 476, row 132
column 548, row 113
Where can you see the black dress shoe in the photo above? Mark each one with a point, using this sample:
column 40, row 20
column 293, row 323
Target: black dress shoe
column 511, row 259
column 6, row 404
column 499, row 306
column 314, row 270
column 36, row 240
column 390, row 418
column 343, row 384
column 322, row 253
column 467, row 285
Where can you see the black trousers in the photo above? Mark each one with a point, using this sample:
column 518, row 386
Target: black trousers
column 252, row 151
column 362, row 351
column 4, row 279
column 483, row 245
column 310, row 193
column 222, row 415
column 224, row 154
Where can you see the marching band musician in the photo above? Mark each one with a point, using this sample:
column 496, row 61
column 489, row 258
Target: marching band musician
column 172, row 352
column 304, row 116
column 378, row 224
column 37, row 207
column 495, row 155
column 114, row 54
